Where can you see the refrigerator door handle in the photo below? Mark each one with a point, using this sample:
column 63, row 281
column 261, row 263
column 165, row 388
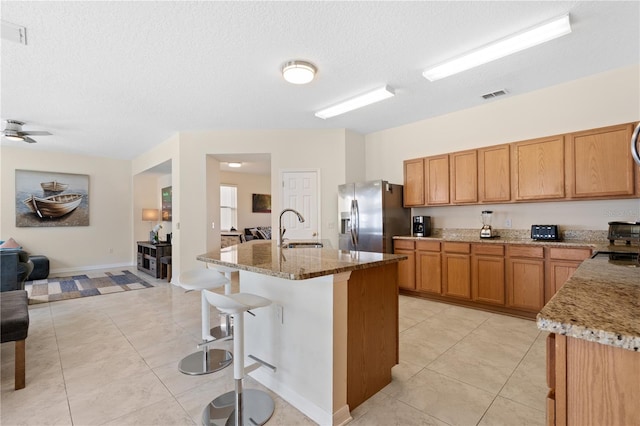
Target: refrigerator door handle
column 352, row 223
column 356, row 224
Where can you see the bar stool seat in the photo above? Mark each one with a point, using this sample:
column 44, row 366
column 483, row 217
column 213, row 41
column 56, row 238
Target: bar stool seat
column 206, row 360
column 238, row 407
column 225, row 329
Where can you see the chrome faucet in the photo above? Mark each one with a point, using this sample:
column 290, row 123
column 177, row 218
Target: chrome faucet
column 283, row 230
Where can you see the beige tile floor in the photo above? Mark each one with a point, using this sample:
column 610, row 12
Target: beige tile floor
column 112, row 359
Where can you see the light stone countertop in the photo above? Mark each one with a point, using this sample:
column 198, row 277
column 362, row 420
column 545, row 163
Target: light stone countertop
column 265, row 257
column 599, row 303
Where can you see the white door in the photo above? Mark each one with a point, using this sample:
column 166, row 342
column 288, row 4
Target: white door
column 300, row 192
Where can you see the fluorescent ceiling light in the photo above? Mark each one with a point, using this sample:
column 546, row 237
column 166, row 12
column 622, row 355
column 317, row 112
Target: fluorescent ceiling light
column 501, row 48
column 357, row 102
column 235, row 165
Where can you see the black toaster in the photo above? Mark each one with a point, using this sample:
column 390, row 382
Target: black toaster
column 545, row 232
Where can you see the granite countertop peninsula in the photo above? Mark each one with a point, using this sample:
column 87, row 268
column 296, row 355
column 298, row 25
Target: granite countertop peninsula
column 599, row 303
column 265, row 257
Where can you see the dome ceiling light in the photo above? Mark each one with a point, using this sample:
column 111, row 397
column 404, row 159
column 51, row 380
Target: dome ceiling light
column 298, row 72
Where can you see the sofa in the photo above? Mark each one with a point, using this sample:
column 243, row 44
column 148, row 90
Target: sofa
column 257, row 233
column 15, row 267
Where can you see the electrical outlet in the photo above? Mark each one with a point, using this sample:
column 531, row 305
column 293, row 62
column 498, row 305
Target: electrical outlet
column 110, row 250
column 507, row 223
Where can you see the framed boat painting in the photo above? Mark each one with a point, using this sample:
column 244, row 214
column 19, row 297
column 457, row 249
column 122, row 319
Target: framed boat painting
column 51, row 199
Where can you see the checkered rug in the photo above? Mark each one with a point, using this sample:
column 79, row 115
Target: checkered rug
column 63, row 288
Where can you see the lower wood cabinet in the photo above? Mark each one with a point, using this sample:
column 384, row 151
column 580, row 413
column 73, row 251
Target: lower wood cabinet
column 428, row 267
column 510, row 278
column 488, row 274
column 525, row 278
column 591, row 383
column 562, row 263
column 456, row 270
column 406, row 268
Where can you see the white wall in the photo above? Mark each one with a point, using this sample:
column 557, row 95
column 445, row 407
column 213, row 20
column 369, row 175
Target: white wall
column 106, row 242
column 601, row 100
column 248, row 184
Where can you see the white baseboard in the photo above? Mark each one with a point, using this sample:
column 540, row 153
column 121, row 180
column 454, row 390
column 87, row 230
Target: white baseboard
column 90, row 268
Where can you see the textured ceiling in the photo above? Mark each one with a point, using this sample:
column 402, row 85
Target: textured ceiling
column 116, row 78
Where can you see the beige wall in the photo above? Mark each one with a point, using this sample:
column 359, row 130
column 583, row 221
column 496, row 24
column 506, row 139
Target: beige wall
column 106, row 242
column 596, row 101
column 248, row 184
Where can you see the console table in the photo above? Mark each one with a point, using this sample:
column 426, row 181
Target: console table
column 149, row 255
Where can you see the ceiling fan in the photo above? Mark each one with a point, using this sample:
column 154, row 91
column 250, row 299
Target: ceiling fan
column 13, row 130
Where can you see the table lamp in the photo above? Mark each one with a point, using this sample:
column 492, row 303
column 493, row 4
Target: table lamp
column 151, row 215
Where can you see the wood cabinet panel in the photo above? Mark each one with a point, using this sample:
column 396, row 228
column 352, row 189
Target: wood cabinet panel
column 428, row 245
column 404, row 244
column 494, row 174
column 407, row 269
column 464, row 177
column 456, row 275
column 602, row 385
column 437, row 179
column 450, row 247
column 489, row 249
column 559, row 273
column 526, row 251
column 525, row 284
column 538, row 169
column 488, row 279
column 413, row 190
column 429, row 271
column 599, row 162
column 578, row 254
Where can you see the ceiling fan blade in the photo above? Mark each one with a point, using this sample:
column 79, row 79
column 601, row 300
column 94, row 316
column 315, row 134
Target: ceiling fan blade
column 35, row 133
column 29, row 140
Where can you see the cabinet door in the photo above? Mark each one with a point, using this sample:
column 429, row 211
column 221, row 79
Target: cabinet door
column 494, row 174
column 487, row 279
column 464, row 177
column 429, row 271
column 407, row 269
column 599, row 162
column 414, row 183
column 456, row 275
column 525, row 284
column 538, row 167
column 437, row 179
column 559, row 273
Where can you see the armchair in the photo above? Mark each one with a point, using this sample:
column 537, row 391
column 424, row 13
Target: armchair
column 15, row 267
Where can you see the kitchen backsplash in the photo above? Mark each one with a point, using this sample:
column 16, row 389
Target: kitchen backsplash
column 520, row 234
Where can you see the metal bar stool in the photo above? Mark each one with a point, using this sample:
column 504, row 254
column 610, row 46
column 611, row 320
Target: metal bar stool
column 206, row 360
column 238, row 407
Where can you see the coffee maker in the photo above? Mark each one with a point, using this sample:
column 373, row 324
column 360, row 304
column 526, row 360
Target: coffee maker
column 421, row 226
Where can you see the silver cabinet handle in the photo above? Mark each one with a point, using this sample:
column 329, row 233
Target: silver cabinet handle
column 634, row 144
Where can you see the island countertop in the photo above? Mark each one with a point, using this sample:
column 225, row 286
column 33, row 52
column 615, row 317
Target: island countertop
column 599, row 303
column 265, row 257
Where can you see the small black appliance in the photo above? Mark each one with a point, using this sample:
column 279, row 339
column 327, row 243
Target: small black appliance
column 421, row 226
column 545, row 232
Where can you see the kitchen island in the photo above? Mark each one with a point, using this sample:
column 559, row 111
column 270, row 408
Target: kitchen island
column 332, row 328
column 593, row 351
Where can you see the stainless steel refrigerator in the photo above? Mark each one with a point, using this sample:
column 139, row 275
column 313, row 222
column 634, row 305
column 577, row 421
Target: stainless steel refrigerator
column 370, row 214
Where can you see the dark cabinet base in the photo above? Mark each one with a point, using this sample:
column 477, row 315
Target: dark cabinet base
column 149, row 255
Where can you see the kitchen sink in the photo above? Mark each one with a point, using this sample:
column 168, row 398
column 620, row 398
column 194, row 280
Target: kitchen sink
column 303, row 244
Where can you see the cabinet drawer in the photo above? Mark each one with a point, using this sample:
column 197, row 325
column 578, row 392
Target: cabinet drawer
column 428, row 245
column 569, row 254
column 456, row 247
column 404, row 244
column 490, row 249
column 526, row 251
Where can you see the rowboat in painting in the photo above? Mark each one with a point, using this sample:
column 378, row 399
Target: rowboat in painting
column 54, row 186
column 53, row 206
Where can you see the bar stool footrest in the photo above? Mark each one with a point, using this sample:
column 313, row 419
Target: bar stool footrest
column 198, row 363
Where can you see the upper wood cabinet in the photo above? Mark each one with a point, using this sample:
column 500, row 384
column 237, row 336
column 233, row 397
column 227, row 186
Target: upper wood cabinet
column 413, row 182
column 436, row 170
column 538, row 169
column 494, row 174
column 600, row 163
column 464, row 177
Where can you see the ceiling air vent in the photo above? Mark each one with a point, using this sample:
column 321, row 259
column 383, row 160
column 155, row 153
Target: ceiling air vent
column 494, row 94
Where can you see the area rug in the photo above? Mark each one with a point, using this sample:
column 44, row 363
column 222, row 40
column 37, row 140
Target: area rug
column 64, row 288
